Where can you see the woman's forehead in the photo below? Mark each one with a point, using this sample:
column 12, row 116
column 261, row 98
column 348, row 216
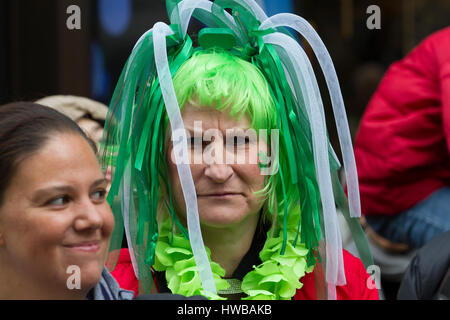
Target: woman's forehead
column 65, row 159
column 207, row 117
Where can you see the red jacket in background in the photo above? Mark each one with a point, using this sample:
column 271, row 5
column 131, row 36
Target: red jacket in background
column 358, row 287
column 403, row 144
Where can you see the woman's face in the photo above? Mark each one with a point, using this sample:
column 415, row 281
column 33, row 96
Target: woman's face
column 55, row 216
column 225, row 189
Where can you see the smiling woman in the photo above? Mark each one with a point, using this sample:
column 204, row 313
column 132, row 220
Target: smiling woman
column 53, row 210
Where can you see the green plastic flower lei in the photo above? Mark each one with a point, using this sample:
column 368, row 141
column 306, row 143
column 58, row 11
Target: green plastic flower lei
column 173, row 254
column 276, row 278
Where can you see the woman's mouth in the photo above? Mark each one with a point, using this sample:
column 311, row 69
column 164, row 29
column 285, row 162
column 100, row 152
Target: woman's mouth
column 226, row 195
column 92, row 246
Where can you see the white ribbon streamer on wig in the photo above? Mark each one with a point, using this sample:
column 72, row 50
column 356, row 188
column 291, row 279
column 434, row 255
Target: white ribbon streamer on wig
column 186, row 9
column 160, row 31
column 257, row 10
column 306, row 30
column 288, row 48
column 140, row 39
column 125, row 189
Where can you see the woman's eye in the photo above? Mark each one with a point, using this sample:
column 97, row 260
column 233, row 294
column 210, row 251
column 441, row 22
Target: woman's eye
column 195, row 141
column 240, row 141
column 198, row 142
column 99, row 194
column 58, row 201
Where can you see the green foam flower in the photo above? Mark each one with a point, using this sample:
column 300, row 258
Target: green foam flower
column 274, row 282
column 174, row 256
column 278, row 277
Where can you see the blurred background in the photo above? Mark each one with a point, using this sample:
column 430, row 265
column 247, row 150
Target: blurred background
column 40, row 56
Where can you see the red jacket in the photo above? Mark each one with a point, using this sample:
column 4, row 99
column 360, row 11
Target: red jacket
column 403, row 143
column 359, row 286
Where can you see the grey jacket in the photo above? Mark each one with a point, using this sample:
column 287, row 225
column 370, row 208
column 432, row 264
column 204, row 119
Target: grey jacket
column 108, row 289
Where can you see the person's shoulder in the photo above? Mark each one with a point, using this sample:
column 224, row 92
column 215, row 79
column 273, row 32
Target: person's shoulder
column 352, row 263
column 359, row 284
column 430, row 54
column 109, row 289
column 124, row 273
column 124, row 256
column 438, row 36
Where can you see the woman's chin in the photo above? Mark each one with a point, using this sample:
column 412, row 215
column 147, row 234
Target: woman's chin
column 222, row 217
column 90, row 275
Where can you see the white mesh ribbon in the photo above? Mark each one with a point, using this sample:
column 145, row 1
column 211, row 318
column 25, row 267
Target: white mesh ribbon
column 306, row 30
column 289, row 49
column 291, row 52
column 186, row 9
column 130, row 226
column 160, row 31
column 256, row 9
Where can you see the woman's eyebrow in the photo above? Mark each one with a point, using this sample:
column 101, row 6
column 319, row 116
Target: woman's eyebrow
column 99, row 182
column 47, row 191
column 40, row 193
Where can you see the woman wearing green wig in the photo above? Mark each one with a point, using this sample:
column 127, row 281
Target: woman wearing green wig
column 224, row 181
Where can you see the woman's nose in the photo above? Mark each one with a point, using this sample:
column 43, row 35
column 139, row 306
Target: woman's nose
column 89, row 216
column 219, row 173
